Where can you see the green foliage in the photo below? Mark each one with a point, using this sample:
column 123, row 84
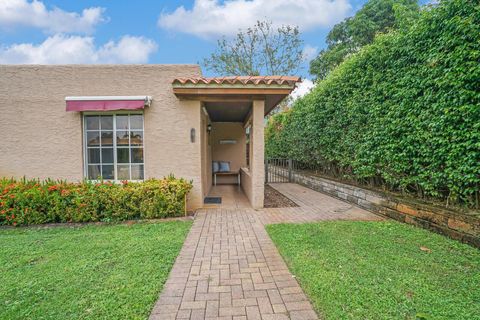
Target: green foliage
column 378, row 270
column 403, row 112
column 348, row 36
column 89, row 272
column 28, row 202
column 260, row 50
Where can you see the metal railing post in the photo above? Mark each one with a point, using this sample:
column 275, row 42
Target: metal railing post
column 266, row 170
column 289, row 170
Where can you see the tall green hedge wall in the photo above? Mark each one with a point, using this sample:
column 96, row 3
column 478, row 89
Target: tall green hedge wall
column 404, row 111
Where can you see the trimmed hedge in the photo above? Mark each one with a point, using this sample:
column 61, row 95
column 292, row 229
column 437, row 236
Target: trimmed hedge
column 28, row 202
column 403, row 113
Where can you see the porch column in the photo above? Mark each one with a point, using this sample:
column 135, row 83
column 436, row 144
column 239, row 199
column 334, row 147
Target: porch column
column 257, row 157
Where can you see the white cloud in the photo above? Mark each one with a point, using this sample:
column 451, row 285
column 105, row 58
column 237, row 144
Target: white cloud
column 212, row 18
column 302, row 89
column 309, row 52
column 62, row 49
column 23, row 13
column 128, row 50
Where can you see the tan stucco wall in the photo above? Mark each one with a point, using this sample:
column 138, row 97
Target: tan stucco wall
column 233, row 153
column 206, row 156
column 253, row 178
column 246, row 183
column 41, row 140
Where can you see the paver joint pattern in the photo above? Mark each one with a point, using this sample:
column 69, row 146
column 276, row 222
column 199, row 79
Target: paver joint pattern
column 229, row 268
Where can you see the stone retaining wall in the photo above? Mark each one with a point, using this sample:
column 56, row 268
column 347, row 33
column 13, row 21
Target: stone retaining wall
column 459, row 226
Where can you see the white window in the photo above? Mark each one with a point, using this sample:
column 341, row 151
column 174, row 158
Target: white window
column 114, row 146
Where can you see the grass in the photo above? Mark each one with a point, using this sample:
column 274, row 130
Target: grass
column 88, row 272
column 381, row 270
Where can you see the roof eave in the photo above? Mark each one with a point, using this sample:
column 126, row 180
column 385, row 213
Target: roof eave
column 233, row 86
column 230, row 91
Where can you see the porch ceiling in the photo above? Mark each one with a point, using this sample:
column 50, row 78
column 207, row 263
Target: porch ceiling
column 235, row 92
column 228, row 111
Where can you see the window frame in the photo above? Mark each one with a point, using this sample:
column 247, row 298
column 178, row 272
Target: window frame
column 114, row 142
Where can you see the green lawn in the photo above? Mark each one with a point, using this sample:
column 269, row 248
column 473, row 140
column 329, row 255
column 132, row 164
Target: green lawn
column 90, row 272
column 381, row 270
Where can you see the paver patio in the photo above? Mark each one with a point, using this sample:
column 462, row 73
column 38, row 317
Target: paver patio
column 229, row 268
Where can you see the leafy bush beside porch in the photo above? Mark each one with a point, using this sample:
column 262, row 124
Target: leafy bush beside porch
column 403, row 113
column 25, row 202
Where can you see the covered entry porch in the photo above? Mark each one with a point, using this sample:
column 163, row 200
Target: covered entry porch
column 233, row 110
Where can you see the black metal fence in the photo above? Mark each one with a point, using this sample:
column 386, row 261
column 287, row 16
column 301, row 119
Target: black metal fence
column 279, row 170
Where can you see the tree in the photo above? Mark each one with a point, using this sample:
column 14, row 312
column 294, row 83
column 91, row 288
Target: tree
column 348, row 36
column 260, row 50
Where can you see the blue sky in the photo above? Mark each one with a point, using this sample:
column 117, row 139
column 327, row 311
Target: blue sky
column 142, row 31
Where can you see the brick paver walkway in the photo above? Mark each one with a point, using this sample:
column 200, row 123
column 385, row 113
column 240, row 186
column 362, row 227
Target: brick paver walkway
column 229, row 268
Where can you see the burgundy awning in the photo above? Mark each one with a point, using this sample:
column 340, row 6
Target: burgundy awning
column 106, row 103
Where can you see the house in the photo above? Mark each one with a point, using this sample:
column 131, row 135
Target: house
column 133, row 122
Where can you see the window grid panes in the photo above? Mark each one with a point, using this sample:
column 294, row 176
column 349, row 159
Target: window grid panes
column 114, row 146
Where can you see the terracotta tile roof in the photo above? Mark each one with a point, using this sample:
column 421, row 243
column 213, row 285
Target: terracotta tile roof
column 255, row 80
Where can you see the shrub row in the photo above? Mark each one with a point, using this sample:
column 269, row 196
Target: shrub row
column 28, row 202
column 404, row 112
